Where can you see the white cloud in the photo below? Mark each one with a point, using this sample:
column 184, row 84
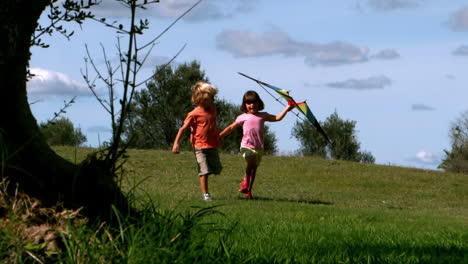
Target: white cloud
column 206, row 10
column 450, row 76
column 375, row 82
column 174, row 8
column 243, row 43
column 458, row 20
column 112, row 9
column 389, row 5
column 427, row 158
column 46, row 82
column 461, row 51
column 333, row 54
column 387, row 54
column 154, row 61
column 421, row 107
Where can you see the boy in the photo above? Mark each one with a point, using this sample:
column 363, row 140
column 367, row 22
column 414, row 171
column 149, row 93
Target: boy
column 204, row 134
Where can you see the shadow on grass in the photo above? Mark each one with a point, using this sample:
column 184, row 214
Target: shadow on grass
column 305, row 201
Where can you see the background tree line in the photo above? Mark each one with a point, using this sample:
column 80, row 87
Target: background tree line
column 62, row 133
column 456, row 159
column 157, row 112
column 342, row 133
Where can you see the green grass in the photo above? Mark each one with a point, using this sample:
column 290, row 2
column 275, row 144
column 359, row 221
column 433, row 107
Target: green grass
column 311, row 210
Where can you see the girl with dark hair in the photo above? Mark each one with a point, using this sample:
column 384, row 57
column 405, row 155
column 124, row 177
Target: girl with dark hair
column 252, row 144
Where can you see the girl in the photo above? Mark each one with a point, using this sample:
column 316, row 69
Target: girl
column 252, row 122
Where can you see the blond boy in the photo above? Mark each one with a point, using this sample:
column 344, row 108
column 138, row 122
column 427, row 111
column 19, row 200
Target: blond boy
column 204, row 134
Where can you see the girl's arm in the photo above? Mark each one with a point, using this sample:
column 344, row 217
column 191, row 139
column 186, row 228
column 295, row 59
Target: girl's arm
column 281, row 115
column 180, row 133
column 228, row 129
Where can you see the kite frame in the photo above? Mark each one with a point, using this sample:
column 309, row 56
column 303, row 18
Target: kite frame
column 277, row 89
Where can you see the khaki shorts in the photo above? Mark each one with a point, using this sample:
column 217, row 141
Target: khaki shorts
column 250, row 152
column 208, row 161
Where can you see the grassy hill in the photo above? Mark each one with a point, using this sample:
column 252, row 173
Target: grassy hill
column 311, row 210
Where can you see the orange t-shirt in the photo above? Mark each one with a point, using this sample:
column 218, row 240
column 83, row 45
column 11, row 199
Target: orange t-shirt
column 205, row 132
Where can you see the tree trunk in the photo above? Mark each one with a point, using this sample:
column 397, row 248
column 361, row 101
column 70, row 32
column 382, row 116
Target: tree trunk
column 26, row 158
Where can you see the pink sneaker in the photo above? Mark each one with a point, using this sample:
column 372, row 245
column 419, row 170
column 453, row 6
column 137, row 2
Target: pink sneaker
column 243, row 187
column 248, row 195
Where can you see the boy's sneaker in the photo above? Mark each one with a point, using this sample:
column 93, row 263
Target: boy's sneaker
column 248, row 195
column 243, row 187
column 207, row 197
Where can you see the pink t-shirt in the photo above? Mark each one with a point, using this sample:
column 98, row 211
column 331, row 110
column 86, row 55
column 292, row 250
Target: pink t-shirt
column 253, row 126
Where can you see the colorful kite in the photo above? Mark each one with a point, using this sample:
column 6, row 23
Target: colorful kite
column 301, row 106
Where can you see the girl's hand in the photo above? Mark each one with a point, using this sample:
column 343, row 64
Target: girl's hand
column 175, row 149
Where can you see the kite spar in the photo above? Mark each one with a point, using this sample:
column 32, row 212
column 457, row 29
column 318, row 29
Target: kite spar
column 301, row 106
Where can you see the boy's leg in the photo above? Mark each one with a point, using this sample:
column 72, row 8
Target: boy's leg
column 204, row 187
column 204, row 156
column 213, row 161
column 204, row 183
column 203, row 169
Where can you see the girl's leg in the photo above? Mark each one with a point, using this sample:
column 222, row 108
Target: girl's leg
column 244, row 186
column 250, row 171
column 253, row 173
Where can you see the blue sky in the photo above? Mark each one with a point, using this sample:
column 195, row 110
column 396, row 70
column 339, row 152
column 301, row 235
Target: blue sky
column 396, row 67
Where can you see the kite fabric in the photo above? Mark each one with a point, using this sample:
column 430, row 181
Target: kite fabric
column 301, row 106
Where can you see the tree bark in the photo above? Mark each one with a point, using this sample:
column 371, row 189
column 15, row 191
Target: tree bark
column 26, row 158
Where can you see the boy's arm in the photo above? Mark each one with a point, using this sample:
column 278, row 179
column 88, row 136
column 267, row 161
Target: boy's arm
column 228, row 129
column 281, row 115
column 180, row 133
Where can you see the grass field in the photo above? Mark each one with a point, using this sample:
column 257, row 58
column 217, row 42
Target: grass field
column 311, row 210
